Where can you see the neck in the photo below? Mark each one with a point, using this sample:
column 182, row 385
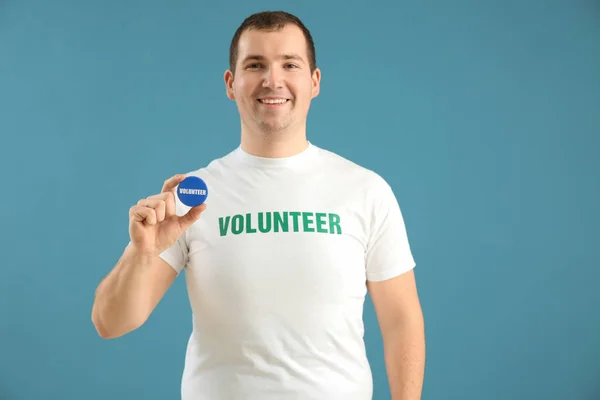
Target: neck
column 273, row 145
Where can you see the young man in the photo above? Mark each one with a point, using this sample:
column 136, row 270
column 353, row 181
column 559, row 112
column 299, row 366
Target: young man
column 280, row 258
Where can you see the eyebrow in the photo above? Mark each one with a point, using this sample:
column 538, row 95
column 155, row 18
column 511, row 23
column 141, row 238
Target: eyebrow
column 290, row 56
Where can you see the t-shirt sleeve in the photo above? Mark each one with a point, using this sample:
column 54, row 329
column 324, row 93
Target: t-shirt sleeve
column 388, row 251
column 176, row 255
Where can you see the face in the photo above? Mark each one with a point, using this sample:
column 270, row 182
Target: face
column 273, row 86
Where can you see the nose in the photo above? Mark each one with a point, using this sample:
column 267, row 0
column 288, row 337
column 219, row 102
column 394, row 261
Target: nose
column 272, row 79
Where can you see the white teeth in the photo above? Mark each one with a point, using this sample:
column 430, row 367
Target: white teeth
column 273, row 101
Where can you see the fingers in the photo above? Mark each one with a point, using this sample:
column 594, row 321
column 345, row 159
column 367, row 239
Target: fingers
column 168, row 198
column 153, row 210
column 191, row 216
column 172, row 182
column 143, row 214
column 156, row 208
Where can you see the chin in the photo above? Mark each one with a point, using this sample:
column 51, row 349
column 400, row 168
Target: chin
column 273, row 124
column 273, row 127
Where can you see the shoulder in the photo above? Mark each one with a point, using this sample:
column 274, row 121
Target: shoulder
column 351, row 170
column 214, row 168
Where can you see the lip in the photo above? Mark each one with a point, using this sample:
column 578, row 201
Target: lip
column 276, row 105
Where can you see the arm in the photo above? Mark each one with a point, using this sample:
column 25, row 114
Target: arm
column 127, row 296
column 401, row 322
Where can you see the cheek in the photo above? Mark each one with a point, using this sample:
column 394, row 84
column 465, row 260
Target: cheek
column 303, row 94
column 305, row 88
column 243, row 92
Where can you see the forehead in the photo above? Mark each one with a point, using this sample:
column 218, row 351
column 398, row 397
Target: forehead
column 272, row 43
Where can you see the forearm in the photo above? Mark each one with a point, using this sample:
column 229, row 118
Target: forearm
column 404, row 352
column 121, row 299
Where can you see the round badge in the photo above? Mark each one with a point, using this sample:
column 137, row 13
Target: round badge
column 192, row 191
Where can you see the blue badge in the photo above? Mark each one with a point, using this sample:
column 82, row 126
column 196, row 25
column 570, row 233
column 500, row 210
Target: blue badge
column 192, row 191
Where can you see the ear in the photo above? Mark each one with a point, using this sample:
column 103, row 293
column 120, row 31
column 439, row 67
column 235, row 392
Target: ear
column 228, row 78
column 316, row 82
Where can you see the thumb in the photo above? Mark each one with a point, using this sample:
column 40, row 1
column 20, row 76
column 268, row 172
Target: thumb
column 191, row 216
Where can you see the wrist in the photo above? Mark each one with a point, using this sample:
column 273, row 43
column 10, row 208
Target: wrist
column 139, row 256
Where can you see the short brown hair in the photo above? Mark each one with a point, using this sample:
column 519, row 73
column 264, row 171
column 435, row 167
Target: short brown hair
column 271, row 20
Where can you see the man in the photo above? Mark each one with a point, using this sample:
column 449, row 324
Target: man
column 279, row 259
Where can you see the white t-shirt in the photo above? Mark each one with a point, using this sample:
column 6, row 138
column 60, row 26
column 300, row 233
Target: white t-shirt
column 276, row 272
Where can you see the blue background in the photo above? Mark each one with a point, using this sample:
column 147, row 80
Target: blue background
column 483, row 116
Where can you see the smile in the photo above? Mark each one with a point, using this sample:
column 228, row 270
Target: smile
column 273, row 101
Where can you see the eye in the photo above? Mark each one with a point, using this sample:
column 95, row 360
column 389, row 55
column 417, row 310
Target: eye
column 252, row 66
column 291, row 66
